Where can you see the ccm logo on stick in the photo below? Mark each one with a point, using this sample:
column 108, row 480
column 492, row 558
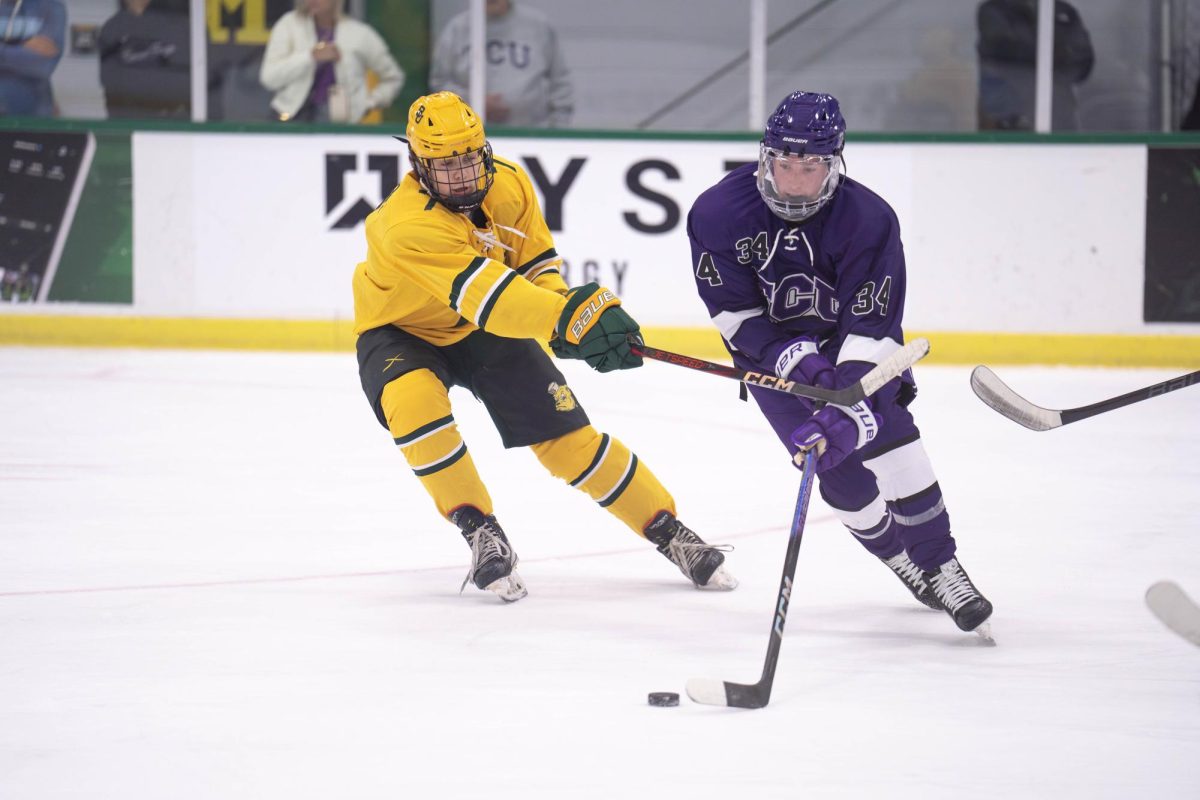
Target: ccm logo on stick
column 770, row 381
column 785, row 595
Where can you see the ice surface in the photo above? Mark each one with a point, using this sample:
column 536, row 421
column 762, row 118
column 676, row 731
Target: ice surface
column 219, row 580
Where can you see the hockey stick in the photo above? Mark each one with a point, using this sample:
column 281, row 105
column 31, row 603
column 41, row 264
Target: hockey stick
column 891, row 367
column 714, row 692
column 1175, row 609
column 994, row 392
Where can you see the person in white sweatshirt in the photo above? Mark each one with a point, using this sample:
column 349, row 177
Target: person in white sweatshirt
column 316, row 63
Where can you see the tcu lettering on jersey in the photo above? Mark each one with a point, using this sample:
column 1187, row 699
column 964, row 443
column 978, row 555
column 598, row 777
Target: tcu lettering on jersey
column 514, row 53
column 797, row 296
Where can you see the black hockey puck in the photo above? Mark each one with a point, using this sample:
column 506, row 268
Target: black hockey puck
column 663, row 699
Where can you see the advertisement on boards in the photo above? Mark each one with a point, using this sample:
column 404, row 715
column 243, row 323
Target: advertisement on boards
column 65, row 211
column 997, row 238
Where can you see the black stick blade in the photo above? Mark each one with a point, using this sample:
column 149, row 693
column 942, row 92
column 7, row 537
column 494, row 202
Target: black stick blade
column 712, row 692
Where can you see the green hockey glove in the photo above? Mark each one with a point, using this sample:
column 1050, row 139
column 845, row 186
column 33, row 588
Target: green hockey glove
column 595, row 328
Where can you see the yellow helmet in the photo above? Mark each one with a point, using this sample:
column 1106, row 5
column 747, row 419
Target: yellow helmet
column 450, row 151
column 443, row 125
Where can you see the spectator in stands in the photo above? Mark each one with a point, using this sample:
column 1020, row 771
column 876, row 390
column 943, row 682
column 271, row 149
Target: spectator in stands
column 316, row 62
column 1191, row 120
column 31, row 44
column 145, row 60
column 1007, row 48
column 528, row 83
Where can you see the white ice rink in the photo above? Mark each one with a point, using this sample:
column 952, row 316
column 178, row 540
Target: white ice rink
column 218, row 579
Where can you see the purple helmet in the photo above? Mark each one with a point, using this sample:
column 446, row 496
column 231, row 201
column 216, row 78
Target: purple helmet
column 800, row 157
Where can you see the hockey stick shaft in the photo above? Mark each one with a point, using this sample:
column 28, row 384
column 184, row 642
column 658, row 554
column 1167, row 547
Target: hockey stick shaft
column 791, row 557
column 891, row 367
column 1182, row 382
column 757, row 695
column 1000, row 397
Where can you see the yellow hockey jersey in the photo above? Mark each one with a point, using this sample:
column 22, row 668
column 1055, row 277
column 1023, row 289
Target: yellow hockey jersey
column 438, row 275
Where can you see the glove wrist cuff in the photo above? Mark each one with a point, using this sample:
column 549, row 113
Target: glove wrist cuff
column 790, row 356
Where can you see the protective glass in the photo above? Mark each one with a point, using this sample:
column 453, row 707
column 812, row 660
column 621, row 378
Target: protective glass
column 795, row 186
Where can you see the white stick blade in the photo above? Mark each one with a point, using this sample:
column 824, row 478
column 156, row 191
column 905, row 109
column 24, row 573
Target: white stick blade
column 895, row 365
column 996, row 394
column 707, row 691
column 1174, row 609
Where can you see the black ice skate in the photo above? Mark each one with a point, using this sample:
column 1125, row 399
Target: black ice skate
column 493, row 560
column 700, row 563
column 913, row 578
column 963, row 602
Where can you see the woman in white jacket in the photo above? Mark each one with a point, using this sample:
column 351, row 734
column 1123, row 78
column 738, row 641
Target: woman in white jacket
column 316, row 63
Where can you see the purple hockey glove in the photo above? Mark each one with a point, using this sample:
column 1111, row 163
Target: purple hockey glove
column 800, row 361
column 837, row 431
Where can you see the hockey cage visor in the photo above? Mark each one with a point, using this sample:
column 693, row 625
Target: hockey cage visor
column 459, row 182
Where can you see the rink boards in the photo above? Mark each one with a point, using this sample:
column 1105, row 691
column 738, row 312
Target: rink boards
column 1024, row 252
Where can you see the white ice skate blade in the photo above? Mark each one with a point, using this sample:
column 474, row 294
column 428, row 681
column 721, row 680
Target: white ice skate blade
column 510, row 588
column 720, row 581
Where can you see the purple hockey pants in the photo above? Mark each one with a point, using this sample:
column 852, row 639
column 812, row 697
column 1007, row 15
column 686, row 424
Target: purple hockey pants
column 886, row 493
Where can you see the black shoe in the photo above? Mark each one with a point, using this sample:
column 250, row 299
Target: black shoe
column 700, row 563
column 492, row 558
column 962, row 601
column 913, row 578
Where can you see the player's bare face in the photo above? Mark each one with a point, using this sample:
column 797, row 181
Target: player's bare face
column 456, row 176
column 801, row 177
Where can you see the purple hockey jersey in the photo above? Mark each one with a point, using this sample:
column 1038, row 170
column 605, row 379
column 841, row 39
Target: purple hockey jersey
column 837, row 277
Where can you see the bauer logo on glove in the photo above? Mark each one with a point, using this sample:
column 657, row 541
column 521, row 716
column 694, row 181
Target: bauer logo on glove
column 585, row 314
column 593, row 327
